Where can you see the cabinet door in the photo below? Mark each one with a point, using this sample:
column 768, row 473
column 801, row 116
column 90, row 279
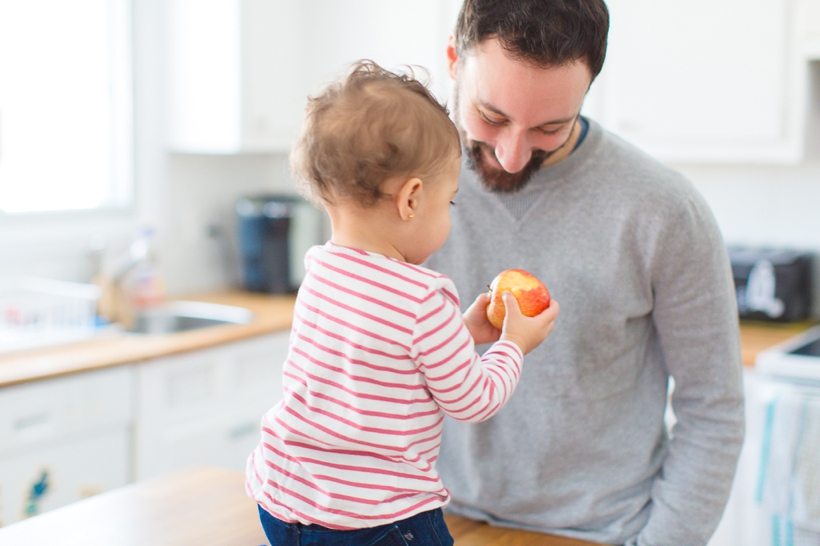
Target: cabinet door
column 241, row 70
column 64, row 439
column 235, row 75
column 205, row 407
column 394, row 34
column 53, row 410
column 808, row 21
column 703, row 80
column 274, row 86
column 58, row 474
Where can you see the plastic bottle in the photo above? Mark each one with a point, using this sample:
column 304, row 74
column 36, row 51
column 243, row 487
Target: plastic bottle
column 144, row 284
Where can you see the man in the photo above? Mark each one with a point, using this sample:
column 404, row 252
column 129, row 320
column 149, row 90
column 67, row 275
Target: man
column 633, row 254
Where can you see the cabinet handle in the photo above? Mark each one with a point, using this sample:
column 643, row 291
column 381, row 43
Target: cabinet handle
column 242, row 430
column 32, row 421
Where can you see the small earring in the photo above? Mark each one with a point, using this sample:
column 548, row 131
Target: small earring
column 410, row 215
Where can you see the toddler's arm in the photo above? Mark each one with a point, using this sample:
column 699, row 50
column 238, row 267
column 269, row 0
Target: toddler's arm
column 466, row 386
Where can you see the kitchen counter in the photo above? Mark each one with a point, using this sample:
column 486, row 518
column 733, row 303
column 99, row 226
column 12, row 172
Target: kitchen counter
column 758, row 336
column 271, row 314
column 200, row 505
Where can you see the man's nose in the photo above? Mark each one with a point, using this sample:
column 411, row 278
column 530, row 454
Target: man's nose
column 513, row 151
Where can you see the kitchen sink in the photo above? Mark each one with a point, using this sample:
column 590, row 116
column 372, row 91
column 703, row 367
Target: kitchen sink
column 180, row 316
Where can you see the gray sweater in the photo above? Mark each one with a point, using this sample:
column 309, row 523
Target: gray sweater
column 633, row 255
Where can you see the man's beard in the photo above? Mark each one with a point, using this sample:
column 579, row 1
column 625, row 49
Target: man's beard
column 499, row 180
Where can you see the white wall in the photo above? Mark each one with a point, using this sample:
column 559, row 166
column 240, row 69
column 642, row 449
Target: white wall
column 200, row 240
column 771, row 206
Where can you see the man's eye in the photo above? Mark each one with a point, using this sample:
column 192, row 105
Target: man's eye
column 490, row 121
column 550, row 131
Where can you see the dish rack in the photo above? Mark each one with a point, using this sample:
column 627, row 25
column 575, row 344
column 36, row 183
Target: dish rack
column 38, row 312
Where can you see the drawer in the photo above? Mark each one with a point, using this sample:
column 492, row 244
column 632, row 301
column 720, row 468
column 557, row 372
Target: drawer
column 204, row 407
column 57, row 474
column 204, row 385
column 48, row 410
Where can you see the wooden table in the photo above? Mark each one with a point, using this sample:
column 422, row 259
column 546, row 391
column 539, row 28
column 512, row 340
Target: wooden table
column 201, row 506
column 473, row 533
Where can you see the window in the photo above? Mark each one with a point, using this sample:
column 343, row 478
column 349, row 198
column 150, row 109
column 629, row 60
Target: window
column 66, row 135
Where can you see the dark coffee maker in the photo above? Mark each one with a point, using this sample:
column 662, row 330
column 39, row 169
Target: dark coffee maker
column 265, row 242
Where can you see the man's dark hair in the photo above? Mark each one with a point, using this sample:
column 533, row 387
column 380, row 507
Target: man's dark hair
column 546, row 33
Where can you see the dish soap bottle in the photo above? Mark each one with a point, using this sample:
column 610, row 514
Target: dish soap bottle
column 144, row 283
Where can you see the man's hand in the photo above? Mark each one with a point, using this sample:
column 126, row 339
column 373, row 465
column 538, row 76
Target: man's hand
column 475, row 318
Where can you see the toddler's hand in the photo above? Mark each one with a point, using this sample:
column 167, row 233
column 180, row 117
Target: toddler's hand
column 526, row 332
column 475, row 318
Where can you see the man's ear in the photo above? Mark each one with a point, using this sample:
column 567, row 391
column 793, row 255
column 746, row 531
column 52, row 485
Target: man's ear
column 452, row 57
column 407, row 198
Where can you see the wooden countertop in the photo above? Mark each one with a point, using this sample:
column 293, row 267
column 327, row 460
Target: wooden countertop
column 272, row 313
column 758, row 336
column 203, row 506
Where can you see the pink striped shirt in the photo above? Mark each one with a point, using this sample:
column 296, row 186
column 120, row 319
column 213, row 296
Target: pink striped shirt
column 378, row 354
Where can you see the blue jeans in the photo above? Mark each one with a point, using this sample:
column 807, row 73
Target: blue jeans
column 425, row 529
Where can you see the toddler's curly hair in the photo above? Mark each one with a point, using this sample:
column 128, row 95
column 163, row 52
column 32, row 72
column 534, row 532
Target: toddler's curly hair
column 368, row 127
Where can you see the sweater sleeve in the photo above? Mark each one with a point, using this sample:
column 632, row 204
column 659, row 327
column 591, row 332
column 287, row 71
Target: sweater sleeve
column 696, row 319
column 466, row 386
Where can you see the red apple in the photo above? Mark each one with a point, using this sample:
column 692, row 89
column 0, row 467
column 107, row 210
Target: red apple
column 533, row 297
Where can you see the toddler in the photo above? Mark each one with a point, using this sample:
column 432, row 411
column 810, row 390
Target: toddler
column 379, row 350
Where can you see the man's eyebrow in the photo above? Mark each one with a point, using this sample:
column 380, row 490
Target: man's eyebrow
column 558, row 121
column 491, row 108
column 495, row 110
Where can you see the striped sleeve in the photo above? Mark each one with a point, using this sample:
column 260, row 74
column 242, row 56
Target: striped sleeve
column 466, row 386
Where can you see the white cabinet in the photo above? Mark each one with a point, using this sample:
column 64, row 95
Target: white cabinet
column 689, row 82
column 705, row 81
column 68, row 438
column 808, row 24
column 205, row 407
column 64, row 439
column 394, row 34
column 241, row 70
column 236, row 80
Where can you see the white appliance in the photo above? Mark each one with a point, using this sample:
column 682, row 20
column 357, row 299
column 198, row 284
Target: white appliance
column 796, row 359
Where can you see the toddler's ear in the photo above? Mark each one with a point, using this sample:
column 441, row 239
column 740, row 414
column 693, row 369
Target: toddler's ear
column 452, row 57
column 407, row 198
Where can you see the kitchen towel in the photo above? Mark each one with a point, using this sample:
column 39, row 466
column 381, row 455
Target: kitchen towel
column 789, row 478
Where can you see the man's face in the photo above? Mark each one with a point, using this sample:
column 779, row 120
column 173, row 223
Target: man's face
column 513, row 116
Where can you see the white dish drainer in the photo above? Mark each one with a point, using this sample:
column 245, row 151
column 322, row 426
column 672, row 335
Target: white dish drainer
column 37, row 312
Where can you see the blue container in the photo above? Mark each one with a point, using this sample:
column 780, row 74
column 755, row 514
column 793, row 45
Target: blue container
column 265, row 222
